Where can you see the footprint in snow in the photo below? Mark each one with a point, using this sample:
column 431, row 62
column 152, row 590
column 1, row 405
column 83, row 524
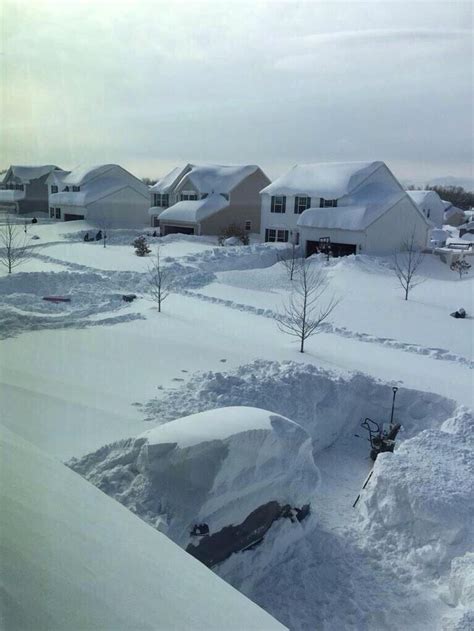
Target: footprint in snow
column 223, row 361
column 177, row 379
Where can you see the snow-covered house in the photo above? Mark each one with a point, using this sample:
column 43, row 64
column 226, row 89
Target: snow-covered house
column 359, row 206
column 205, row 199
column 431, row 204
column 453, row 216
column 24, row 189
column 106, row 195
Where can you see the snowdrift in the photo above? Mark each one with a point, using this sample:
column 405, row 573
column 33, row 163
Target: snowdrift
column 419, row 505
column 72, row 558
column 215, row 468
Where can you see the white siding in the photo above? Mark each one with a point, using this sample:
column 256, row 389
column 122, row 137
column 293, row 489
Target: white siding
column 123, row 208
column 387, row 234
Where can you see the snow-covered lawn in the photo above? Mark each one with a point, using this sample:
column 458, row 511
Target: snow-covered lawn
column 76, row 376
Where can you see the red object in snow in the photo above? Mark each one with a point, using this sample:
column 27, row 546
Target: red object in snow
column 57, row 298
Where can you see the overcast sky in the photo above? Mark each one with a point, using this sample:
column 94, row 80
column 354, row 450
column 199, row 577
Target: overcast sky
column 149, row 84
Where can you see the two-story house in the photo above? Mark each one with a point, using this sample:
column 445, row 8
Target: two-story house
column 24, row 188
column 357, row 206
column 106, row 194
column 206, row 199
column 430, row 204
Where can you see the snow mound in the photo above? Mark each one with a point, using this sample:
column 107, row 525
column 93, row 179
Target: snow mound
column 419, row 504
column 214, row 467
column 325, row 404
column 72, row 558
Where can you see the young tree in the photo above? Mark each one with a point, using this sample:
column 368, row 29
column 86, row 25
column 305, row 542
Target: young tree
column 141, row 246
column 292, row 262
column 304, row 313
column 407, row 263
column 460, row 266
column 15, row 248
column 161, row 280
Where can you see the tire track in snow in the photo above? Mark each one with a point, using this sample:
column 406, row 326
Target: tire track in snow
column 434, row 353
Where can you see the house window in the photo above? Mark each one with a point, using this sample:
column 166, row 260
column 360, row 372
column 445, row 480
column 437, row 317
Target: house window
column 188, row 196
column 51, row 213
column 301, row 204
column 276, row 236
column 327, row 203
column 278, row 204
column 54, row 189
column 295, row 238
column 19, row 187
column 66, row 189
column 162, row 200
column 76, row 189
column 248, row 225
column 58, row 213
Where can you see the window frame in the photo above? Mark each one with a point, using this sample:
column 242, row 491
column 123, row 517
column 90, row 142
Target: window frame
column 54, row 189
column 327, row 203
column 280, row 235
column 298, row 210
column 248, row 225
column 58, row 213
column 278, row 207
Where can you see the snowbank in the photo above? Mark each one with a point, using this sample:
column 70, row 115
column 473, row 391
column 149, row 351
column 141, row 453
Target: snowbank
column 327, row 405
column 215, row 468
column 419, row 505
column 72, row 558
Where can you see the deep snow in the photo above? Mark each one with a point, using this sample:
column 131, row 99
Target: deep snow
column 72, row 558
column 86, row 381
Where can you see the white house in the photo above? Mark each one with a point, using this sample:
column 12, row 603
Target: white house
column 453, row 216
column 205, row 199
column 431, row 204
column 106, row 195
column 24, row 188
column 358, row 206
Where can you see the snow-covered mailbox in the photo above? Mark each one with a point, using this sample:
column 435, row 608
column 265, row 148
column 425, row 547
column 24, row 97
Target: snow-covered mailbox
column 106, row 195
column 24, row 188
column 207, row 199
column 360, row 206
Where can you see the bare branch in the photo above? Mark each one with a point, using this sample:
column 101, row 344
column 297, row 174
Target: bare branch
column 406, row 264
column 15, row 245
column 161, row 280
column 303, row 315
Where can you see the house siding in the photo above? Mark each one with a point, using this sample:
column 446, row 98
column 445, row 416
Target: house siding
column 36, row 197
column 126, row 207
column 387, row 234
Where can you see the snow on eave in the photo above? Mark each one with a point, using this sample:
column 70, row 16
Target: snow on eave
column 330, row 180
column 194, row 211
column 216, row 424
column 27, row 173
column 168, row 182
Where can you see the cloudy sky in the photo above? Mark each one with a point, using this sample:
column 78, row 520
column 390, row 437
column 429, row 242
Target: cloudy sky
column 149, row 84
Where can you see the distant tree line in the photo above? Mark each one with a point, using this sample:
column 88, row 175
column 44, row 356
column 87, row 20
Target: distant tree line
column 457, row 195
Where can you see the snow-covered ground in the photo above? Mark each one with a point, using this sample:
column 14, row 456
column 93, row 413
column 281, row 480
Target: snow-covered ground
column 77, row 376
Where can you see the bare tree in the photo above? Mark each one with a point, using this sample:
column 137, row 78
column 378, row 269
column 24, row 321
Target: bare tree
column 293, row 262
column 407, row 263
column 304, row 313
column 15, row 248
column 161, row 280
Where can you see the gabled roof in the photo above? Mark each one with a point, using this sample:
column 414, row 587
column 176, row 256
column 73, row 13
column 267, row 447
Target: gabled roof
column 207, row 178
column 425, row 197
column 27, row 173
column 330, row 180
column 194, row 211
column 83, row 174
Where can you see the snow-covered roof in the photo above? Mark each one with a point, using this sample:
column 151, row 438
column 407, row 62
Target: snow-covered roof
column 165, row 184
column 92, row 191
column 27, row 173
column 330, row 180
column 467, row 226
column 450, row 210
column 84, row 173
column 207, row 178
column 424, row 197
column 366, row 207
column 74, row 558
column 194, row 211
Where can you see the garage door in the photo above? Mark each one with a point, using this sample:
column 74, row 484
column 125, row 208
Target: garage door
column 337, row 249
column 177, row 230
column 70, row 217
